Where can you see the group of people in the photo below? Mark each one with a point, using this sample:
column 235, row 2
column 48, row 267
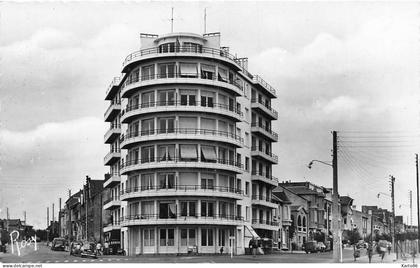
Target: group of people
column 381, row 250
column 102, row 250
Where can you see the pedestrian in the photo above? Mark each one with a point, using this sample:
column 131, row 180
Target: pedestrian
column 254, row 248
column 370, row 252
column 389, row 249
column 221, row 250
column 383, row 255
column 98, row 248
column 106, row 247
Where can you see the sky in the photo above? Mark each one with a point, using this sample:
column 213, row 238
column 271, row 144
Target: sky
column 352, row 67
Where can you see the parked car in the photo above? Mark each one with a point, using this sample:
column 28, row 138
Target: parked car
column 58, row 244
column 321, row 246
column 83, row 249
column 310, row 246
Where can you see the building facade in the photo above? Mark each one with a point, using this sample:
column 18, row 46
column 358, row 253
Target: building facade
column 190, row 149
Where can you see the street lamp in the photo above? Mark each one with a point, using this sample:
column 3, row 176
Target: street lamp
column 337, row 243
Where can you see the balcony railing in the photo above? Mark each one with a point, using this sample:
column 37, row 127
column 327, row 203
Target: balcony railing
column 134, row 79
column 109, row 199
column 181, row 216
column 266, row 222
column 184, row 188
column 258, row 79
column 113, row 83
column 180, row 49
column 111, row 106
column 266, row 128
column 187, row 131
column 220, row 106
column 266, row 105
column 268, row 153
column 170, row 159
column 114, row 126
column 263, row 174
column 262, row 198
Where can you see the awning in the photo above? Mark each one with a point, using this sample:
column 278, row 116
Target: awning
column 208, row 68
column 250, row 232
column 189, row 69
column 188, row 151
column 209, row 153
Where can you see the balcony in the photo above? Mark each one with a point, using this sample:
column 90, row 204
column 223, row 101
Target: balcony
column 112, row 157
column 177, row 106
column 180, row 51
column 286, row 222
column 112, row 111
column 264, row 154
column 176, row 162
column 269, row 90
column 113, row 132
column 111, row 203
column 131, row 85
column 113, row 88
column 265, row 131
column 113, row 180
column 265, row 224
column 111, row 226
column 181, row 190
column 263, row 200
column 265, row 108
column 261, row 176
column 156, row 219
column 133, row 138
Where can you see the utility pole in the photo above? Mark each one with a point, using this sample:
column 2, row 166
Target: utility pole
column 59, row 217
column 335, row 211
column 393, row 215
column 172, row 21
column 411, row 208
column 7, row 219
column 205, row 20
column 24, row 216
column 418, row 202
column 48, row 222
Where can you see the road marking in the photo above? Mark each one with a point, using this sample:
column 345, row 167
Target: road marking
column 83, row 260
column 101, row 260
column 66, row 261
column 74, row 260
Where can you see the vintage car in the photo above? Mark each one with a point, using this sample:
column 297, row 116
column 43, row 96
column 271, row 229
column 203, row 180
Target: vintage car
column 58, row 244
column 83, row 249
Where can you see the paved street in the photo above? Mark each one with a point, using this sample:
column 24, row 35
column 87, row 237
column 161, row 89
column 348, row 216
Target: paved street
column 45, row 255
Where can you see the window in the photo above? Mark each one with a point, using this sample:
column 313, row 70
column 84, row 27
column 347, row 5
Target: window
column 147, row 181
column 147, row 154
column 148, row 127
column 149, row 237
column 186, row 123
column 247, row 213
column 148, row 72
column 167, row 237
column 188, row 97
column 208, row 154
column 166, row 97
column 166, row 125
column 168, row 47
column 222, row 237
column 188, row 70
column 223, row 209
column 188, row 152
column 208, row 71
column 247, row 163
column 134, row 76
column 188, row 208
column 166, row 152
column 134, row 129
column 247, row 188
column 188, row 237
column 134, row 156
column 192, row 47
column 167, row 70
column 207, row 181
column 206, row 237
column 188, row 178
column 222, row 75
column 239, row 184
column 148, row 99
column 208, row 124
column 147, row 209
column 247, row 114
column 166, row 180
column 167, row 210
column 222, row 155
column 207, row 99
column 207, row 209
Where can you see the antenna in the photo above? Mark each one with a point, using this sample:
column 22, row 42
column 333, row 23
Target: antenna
column 172, row 20
column 205, row 18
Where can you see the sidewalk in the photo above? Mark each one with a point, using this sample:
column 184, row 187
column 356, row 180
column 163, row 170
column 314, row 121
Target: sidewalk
column 389, row 258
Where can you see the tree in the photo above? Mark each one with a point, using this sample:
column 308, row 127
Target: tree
column 354, row 236
column 319, row 237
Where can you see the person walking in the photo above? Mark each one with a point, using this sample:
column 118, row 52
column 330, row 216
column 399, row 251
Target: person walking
column 370, row 252
column 106, row 248
column 254, row 248
column 98, row 248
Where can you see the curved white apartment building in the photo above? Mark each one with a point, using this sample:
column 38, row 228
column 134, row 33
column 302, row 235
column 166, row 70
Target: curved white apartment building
column 190, row 149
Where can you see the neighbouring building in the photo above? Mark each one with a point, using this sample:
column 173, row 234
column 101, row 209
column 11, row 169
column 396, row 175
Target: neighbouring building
column 283, row 216
column 190, row 149
column 318, row 204
column 346, row 203
column 82, row 216
column 381, row 219
column 362, row 222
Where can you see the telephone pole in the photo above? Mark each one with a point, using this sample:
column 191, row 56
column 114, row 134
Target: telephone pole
column 393, row 214
column 335, row 211
column 48, row 222
column 418, row 201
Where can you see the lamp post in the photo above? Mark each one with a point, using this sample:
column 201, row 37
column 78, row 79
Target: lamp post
column 337, row 250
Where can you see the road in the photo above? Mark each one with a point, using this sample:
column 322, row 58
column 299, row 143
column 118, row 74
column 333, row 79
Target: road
column 44, row 255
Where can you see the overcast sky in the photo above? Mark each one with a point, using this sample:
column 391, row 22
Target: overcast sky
column 336, row 66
